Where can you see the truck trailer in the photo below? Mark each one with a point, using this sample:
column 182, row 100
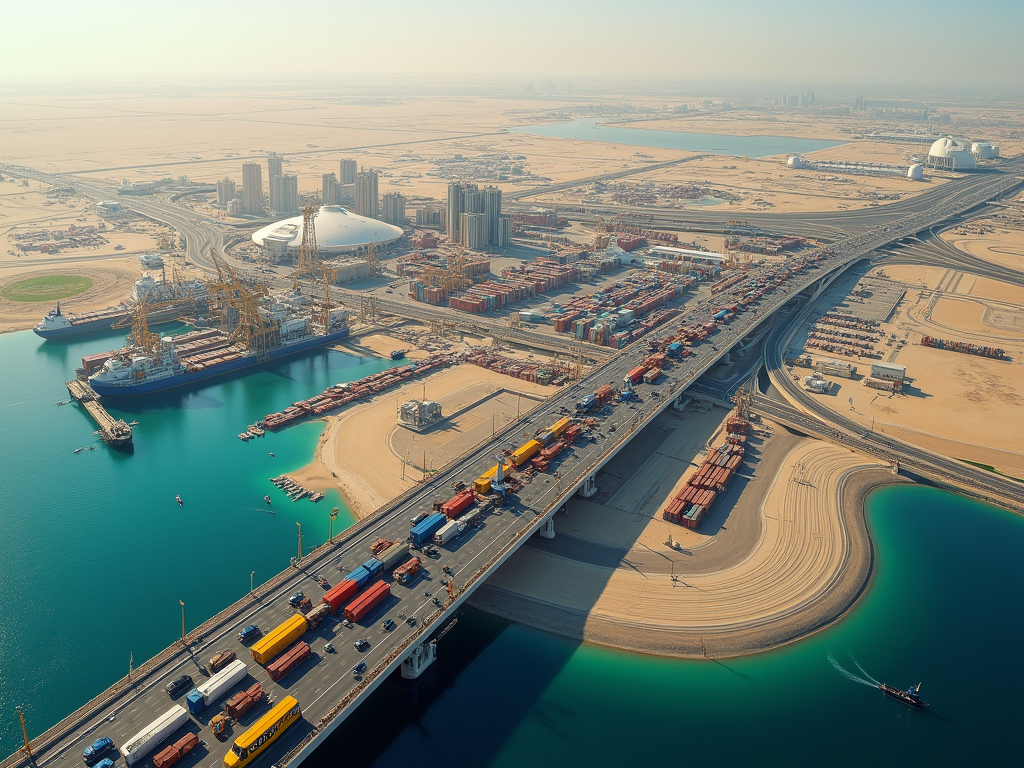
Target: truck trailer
column 205, row 694
column 145, row 741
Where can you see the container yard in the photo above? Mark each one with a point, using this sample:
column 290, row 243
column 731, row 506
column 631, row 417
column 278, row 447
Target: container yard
column 691, row 505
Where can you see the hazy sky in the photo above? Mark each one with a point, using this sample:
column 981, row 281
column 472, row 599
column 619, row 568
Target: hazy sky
column 854, row 41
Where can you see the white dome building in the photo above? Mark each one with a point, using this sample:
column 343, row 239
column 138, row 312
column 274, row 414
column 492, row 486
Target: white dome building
column 337, row 231
column 950, row 154
column 795, row 161
column 915, row 172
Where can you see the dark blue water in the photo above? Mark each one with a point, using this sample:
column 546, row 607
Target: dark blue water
column 711, row 143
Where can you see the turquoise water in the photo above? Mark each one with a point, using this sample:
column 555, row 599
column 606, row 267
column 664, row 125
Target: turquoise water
column 943, row 608
column 711, row 143
column 96, row 553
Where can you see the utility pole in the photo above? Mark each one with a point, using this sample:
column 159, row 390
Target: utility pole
column 252, row 575
column 334, row 516
column 300, row 540
column 24, row 733
column 182, row 602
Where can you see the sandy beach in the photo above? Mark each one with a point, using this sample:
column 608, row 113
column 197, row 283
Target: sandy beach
column 357, row 455
column 806, row 570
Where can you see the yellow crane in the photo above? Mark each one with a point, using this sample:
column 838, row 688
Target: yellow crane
column 137, row 320
column 309, row 255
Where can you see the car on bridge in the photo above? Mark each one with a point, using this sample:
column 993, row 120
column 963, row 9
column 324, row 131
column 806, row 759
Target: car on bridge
column 178, row 685
column 97, row 750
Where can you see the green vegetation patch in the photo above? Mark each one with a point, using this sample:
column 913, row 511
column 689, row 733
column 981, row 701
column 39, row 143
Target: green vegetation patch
column 51, row 288
column 990, row 468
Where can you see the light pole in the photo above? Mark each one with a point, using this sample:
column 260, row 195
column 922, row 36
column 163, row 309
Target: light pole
column 252, row 575
column 24, row 733
column 334, row 516
column 182, row 620
column 300, row 540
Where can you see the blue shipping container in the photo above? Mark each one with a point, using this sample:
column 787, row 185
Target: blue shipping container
column 196, row 702
column 360, row 576
column 426, row 528
column 373, row 566
column 673, row 348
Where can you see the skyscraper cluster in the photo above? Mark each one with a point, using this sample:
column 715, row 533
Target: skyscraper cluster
column 474, row 218
column 393, row 208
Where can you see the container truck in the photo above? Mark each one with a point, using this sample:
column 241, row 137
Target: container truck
column 454, row 506
column 424, row 531
column 318, row 614
column 470, row 517
column 362, row 605
column 393, row 555
column 365, row 572
column 560, row 426
column 279, row 638
column 168, row 757
column 407, row 571
column 587, row 403
column 221, row 660
column 263, row 733
column 288, row 660
column 243, row 701
column 204, row 694
column 446, row 532
column 145, row 741
column 636, row 375
column 339, row 594
column 524, row 452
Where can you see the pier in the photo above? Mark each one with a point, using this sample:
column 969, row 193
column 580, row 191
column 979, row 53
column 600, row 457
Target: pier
column 115, row 432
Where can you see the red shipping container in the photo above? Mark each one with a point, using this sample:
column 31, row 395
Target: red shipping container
column 289, row 660
column 339, row 593
column 455, row 505
column 361, row 606
column 176, row 751
column 243, row 701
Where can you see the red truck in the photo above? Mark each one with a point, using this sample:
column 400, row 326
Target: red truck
column 288, row 660
column 176, row 751
column 243, row 701
column 407, row 571
column 337, row 595
column 361, row 606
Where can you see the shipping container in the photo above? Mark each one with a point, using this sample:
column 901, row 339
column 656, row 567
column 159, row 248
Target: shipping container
column 263, row 733
column 288, row 660
column 652, row 375
column 424, row 530
column 318, row 614
column 524, row 452
column 168, row 757
column 636, row 374
column 446, row 532
column 455, row 505
column 243, row 701
column 407, row 571
column 393, row 555
column 205, row 694
column 148, row 739
column 340, row 593
column 362, row 605
column 561, row 425
column 279, row 638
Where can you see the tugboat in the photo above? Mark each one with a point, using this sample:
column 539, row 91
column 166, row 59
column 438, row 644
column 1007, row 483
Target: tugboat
column 911, row 697
column 180, row 502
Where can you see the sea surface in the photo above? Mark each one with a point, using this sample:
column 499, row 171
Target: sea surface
column 709, row 143
column 96, row 555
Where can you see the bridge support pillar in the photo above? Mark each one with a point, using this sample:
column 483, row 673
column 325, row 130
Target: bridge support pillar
column 682, row 401
column 727, row 358
column 422, row 656
column 548, row 531
column 589, row 487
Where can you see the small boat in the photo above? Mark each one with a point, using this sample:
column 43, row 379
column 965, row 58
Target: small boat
column 180, row 502
column 133, row 423
column 79, row 450
column 911, row 697
column 270, row 455
column 267, row 498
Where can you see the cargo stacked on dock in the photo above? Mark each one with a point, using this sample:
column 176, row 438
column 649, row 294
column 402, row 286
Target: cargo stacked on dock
column 692, row 504
column 519, row 369
column 964, row 347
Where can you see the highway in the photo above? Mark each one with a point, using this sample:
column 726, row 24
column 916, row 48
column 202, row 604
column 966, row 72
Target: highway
column 323, row 684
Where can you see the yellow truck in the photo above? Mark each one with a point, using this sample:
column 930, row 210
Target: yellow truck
column 278, row 639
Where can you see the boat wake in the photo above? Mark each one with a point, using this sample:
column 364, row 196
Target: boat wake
column 866, row 680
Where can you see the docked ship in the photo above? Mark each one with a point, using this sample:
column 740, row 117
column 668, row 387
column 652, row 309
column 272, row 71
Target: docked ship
column 911, row 697
column 57, row 324
column 255, row 332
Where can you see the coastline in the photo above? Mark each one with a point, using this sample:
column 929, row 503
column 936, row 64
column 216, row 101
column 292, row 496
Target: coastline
column 745, row 638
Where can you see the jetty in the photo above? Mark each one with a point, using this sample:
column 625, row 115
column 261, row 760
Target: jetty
column 116, row 433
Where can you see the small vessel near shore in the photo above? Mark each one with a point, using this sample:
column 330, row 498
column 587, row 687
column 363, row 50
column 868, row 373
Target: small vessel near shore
column 911, row 697
column 180, row 502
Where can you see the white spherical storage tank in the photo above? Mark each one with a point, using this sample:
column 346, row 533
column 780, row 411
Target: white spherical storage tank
column 337, row 231
column 915, row 172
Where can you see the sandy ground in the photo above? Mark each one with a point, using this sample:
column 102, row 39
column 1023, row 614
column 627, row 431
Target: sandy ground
column 786, row 586
column 112, row 283
column 959, row 405
column 381, row 344
column 357, row 454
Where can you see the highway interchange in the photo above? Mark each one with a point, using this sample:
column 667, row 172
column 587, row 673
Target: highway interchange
column 324, row 685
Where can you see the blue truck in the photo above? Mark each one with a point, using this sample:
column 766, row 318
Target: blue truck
column 586, row 403
column 424, row 530
column 368, row 570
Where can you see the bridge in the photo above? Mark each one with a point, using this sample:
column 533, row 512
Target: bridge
column 323, row 684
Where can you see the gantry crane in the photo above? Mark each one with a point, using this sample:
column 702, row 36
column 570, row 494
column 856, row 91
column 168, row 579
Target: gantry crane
column 143, row 338
column 309, row 255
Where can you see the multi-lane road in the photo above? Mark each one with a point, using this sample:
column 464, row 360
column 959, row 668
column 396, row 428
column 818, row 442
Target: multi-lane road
column 324, row 685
